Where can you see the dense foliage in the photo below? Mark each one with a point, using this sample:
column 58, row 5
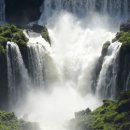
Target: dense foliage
column 112, row 115
column 8, row 121
column 11, row 33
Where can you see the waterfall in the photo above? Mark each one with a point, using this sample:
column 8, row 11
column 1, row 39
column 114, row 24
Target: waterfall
column 42, row 68
column 66, row 69
column 115, row 9
column 59, row 78
column 18, row 79
column 36, row 64
column 2, row 11
column 106, row 86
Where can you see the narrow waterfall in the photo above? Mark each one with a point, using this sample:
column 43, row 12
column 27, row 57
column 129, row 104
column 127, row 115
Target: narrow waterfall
column 115, row 9
column 106, row 86
column 18, row 79
column 35, row 65
column 2, row 11
column 42, row 68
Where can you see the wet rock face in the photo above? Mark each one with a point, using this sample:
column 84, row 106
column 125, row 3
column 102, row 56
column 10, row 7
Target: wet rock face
column 3, row 82
column 22, row 11
column 125, row 26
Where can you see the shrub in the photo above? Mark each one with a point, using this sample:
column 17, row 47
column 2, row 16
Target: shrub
column 124, row 37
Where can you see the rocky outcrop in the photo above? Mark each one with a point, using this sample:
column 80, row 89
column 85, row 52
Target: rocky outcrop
column 123, row 76
column 40, row 29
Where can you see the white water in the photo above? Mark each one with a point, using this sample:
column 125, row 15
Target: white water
column 77, row 49
column 62, row 74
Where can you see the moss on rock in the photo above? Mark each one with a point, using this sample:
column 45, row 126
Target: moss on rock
column 112, row 115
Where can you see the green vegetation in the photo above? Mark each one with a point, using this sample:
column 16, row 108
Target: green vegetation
column 11, row 33
column 112, row 115
column 8, row 121
column 2, row 50
column 123, row 37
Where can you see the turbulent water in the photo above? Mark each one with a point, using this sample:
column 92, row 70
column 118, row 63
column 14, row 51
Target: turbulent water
column 62, row 78
column 2, row 11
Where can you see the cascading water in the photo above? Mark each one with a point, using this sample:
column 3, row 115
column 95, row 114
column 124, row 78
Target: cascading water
column 41, row 64
column 2, row 11
column 107, row 78
column 115, row 9
column 17, row 74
